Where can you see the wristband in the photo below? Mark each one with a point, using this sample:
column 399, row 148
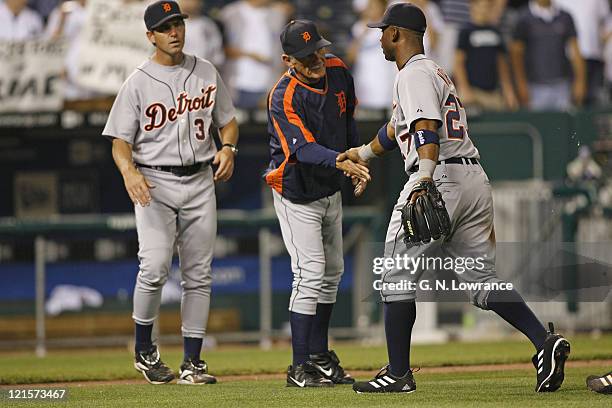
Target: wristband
column 366, row 153
column 426, row 168
column 384, row 140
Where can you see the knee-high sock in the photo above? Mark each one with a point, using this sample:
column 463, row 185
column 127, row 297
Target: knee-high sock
column 320, row 326
column 143, row 336
column 399, row 319
column 301, row 327
column 192, row 347
column 512, row 308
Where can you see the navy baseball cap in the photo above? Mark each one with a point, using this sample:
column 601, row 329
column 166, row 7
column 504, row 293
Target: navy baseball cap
column 301, row 38
column 403, row 15
column 159, row 12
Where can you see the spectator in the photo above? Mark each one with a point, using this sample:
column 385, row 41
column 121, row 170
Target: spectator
column 43, row 7
column 18, row 22
column 373, row 74
column 203, row 38
column 456, row 13
column 607, row 53
column 482, row 73
column 251, row 29
column 538, row 51
column 590, row 19
column 67, row 21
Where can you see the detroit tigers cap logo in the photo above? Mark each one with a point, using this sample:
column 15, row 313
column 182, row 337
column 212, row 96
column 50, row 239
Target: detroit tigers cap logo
column 167, row 7
column 306, row 36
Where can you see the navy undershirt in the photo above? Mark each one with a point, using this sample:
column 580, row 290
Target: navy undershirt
column 314, row 153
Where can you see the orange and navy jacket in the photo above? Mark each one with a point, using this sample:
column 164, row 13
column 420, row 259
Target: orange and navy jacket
column 299, row 114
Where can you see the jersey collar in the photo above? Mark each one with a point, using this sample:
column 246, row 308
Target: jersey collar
column 291, row 74
column 416, row 57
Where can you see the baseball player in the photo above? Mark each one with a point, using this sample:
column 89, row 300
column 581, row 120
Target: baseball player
column 160, row 129
column 310, row 120
column 450, row 192
column 601, row 384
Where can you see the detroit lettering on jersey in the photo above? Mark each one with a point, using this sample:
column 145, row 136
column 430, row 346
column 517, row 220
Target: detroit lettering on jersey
column 166, row 112
column 158, row 113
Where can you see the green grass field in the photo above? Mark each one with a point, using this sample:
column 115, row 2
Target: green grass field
column 491, row 388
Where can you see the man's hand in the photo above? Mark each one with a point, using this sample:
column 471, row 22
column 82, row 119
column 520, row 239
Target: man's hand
column 137, row 187
column 424, row 216
column 359, row 186
column 352, row 155
column 225, row 160
column 417, row 194
column 352, row 169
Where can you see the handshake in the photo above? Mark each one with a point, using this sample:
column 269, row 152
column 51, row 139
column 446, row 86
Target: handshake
column 353, row 166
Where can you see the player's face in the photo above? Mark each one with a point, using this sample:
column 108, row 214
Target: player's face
column 170, row 36
column 312, row 67
column 386, row 43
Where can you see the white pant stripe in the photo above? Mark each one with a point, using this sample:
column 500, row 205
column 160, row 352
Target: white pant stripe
column 382, row 382
column 540, row 362
column 389, row 380
column 540, row 370
column 373, row 384
column 604, row 382
column 540, row 353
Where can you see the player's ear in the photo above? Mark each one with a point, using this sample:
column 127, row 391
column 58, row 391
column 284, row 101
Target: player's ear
column 287, row 60
column 395, row 34
column 151, row 37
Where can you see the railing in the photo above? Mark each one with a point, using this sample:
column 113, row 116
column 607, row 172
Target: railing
column 261, row 220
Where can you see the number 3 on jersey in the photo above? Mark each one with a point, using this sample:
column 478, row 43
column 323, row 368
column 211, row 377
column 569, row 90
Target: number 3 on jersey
column 454, row 128
column 200, row 132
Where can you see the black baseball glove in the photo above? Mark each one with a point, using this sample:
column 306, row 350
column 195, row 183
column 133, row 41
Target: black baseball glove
column 426, row 218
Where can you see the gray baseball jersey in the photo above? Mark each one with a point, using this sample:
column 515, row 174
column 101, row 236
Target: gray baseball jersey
column 165, row 113
column 422, row 90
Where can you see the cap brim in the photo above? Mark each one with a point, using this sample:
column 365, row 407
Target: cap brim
column 310, row 49
column 168, row 18
column 380, row 24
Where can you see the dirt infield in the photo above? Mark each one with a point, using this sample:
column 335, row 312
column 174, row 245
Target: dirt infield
column 358, row 374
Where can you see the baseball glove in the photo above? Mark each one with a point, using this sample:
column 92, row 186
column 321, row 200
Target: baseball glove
column 426, row 218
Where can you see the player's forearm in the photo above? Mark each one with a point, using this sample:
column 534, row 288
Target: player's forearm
column 122, row 155
column 429, row 152
column 314, row 153
column 229, row 133
column 377, row 148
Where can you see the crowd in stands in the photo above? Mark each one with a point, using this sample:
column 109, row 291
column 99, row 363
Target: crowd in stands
column 502, row 54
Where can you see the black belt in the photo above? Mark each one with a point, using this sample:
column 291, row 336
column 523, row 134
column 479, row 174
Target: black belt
column 452, row 160
column 179, row 171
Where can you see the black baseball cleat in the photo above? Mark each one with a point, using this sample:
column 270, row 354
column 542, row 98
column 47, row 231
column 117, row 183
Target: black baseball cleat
column 601, row 384
column 306, row 375
column 329, row 366
column 149, row 363
column 550, row 361
column 384, row 381
column 195, row 372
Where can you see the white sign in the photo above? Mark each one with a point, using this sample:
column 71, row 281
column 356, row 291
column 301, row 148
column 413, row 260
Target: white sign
column 114, row 43
column 31, row 75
